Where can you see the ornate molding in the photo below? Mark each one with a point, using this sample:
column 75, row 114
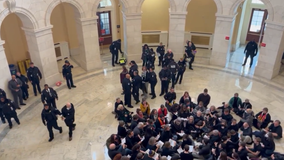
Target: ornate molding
column 275, row 25
column 227, row 18
column 89, row 21
column 38, row 32
column 177, row 15
column 11, row 4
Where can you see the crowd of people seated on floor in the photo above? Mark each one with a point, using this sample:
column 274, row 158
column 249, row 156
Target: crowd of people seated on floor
column 187, row 131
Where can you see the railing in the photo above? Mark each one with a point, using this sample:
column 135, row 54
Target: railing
column 153, row 38
column 200, row 39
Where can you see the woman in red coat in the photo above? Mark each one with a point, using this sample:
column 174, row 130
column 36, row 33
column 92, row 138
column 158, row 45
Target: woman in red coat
column 123, row 75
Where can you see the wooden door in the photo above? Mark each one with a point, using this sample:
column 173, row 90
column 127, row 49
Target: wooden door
column 257, row 25
column 104, row 27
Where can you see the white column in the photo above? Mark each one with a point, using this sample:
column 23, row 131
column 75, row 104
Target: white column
column 269, row 60
column 132, row 36
column 87, row 31
column 176, row 33
column 4, row 70
column 221, row 47
column 42, row 53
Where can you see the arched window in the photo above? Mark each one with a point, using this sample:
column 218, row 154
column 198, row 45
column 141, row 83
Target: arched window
column 257, row 2
column 104, row 3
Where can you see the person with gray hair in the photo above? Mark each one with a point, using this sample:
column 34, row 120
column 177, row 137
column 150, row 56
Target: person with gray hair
column 68, row 115
column 138, row 130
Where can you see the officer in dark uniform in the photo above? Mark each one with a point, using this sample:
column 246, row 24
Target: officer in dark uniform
column 24, row 86
column 145, row 54
column 9, row 110
column 68, row 115
column 67, row 74
column 250, row 51
column 161, row 52
column 2, row 93
column 34, row 75
column 181, row 70
column 171, row 96
column 114, row 48
column 126, row 85
column 48, row 96
column 190, row 51
column 151, row 60
column 168, row 57
column 165, row 78
column 49, row 119
column 173, row 68
column 133, row 67
column 153, row 81
column 136, row 84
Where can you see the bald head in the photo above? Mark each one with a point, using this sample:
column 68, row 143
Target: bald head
column 112, row 146
column 127, row 76
column 169, row 50
column 68, row 105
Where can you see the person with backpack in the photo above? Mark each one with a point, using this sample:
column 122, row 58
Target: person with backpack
column 114, row 48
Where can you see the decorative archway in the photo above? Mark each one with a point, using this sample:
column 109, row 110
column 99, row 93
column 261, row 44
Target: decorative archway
column 172, row 5
column 97, row 2
column 77, row 7
column 217, row 2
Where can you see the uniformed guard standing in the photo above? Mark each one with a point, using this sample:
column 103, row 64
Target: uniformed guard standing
column 250, row 51
column 164, row 77
column 126, row 85
column 168, row 57
column 136, row 83
column 161, row 52
column 67, row 74
column 49, row 119
column 173, row 68
column 190, row 51
column 9, row 110
column 153, row 81
column 48, row 96
column 68, row 115
column 2, row 93
column 181, row 70
column 133, row 67
column 114, row 48
column 34, row 76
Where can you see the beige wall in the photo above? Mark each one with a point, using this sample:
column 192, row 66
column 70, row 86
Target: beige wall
column 237, row 24
column 64, row 25
column 16, row 48
column 155, row 15
column 201, row 16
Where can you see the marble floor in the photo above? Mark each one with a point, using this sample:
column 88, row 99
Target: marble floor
column 93, row 100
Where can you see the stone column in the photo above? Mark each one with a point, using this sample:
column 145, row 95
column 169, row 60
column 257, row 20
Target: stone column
column 42, row 53
column 221, row 47
column 269, row 60
column 132, row 36
column 87, row 31
column 4, row 70
column 176, row 33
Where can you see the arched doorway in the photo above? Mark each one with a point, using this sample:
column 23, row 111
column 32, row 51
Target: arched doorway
column 200, row 27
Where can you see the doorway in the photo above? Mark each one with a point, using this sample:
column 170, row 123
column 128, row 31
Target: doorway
column 104, row 27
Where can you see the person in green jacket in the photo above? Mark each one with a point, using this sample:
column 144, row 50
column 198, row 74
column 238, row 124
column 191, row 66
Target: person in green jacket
column 235, row 102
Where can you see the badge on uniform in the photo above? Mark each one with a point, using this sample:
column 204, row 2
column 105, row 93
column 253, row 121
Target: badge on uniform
column 8, row 104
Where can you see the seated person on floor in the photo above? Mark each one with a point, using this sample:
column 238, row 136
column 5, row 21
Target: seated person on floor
column 242, row 108
column 235, row 102
column 262, row 119
column 116, row 104
column 124, row 114
column 162, row 110
column 246, row 134
column 145, row 108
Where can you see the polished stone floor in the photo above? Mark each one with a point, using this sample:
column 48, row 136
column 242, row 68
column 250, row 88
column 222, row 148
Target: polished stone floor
column 94, row 97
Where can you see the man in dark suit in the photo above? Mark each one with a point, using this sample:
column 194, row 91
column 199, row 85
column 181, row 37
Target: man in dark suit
column 48, row 96
column 34, row 75
column 250, row 51
column 24, row 86
column 68, row 115
column 67, row 74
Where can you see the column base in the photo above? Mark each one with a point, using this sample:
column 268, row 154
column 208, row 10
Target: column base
column 51, row 80
column 218, row 60
column 268, row 72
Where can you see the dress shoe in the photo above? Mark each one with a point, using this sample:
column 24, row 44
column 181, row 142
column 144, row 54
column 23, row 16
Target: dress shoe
column 116, row 63
column 113, row 65
column 142, row 94
column 18, row 108
column 50, row 139
column 243, row 64
column 69, row 87
column 150, row 93
column 153, row 97
column 3, row 122
column 130, row 106
column 39, row 92
column 191, row 68
column 60, row 130
column 19, row 123
column 35, row 94
column 161, row 94
column 70, row 138
column 22, row 104
column 10, row 127
column 137, row 102
column 73, row 86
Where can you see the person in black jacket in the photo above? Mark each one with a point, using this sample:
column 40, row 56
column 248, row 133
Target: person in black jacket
column 67, row 74
column 168, row 57
column 204, row 97
column 48, row 96
column 173, row 68
column 171, row 96
column 250, row 51
column 114, row 48
column 126, row 84
column 164, row 77
column 68, row 115
column 34, row 75
column 161, row 52
column 118, row 101
column 49, row 119
column 9, row 110
column 121, row 130
column 136, row 84
column 2, row 93
column 133, row 67
column 181, row 70
column 153, row 81
column 24, row 86
column 190, row 51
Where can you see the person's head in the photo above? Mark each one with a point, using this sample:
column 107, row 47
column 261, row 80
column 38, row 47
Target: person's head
column 119, row 40
column 120, row 107
column 140, row 156
column 151, row 153
column 205, row 91
column 127, row 76
column 165, row 67
column 190, row 119
column 32, row 64
column 154, row 112
column 223, row 156
column 152, row 141
column 199, row 113
column 269, row 136
column 205, row 141
column 140, row 125
column 2, row 99
column 135, row 117
column 130, row 133
column 121, row 123
column 167, row 145
column 124, row 68
column 13, row 77
column 242, row 144
column 189, row 43
column 18, row 73
column 178, row 121
column 118, row 100
column 167, row 127
column 162, row 117
column 223, row 122
column 236, row 95
column 162, row 107
column 233, row 132
column 186, row 148
column 112, row 146
column 68, row 105
column 117, row 157
column 226, row 111
column 161, row 43
column 144, row 68
column 246, row 100
column 215, row 132
column 222, row 146
column 145, row 46
column 150, row 69
column 246, row 125
column 187, row 101
column 234, row 121
column 135, row 73
column 172, row 90
column 144, row 102
column 257, row 140
column 212, row 108
column 46, row 106
column 181, row 59
column 226, row 105
column 67, row 63
column 46, row 86
column 200, row 104
column 169, row 50
column 265, row 110
column 186, row 94
column 276, row 123
column 136, row 147
column 235, row 155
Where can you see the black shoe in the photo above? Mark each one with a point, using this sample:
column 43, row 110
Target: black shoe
column 50, row 139
column 35, row 94
column 130, row 106
column 73, row 86
column 70, row 138
column 142, row 94
column 113, row 65
column 22, row 104
column 161, row 94
column 150, row 94
column 3, row 122
column 60, row 130
column 18, row 108
column 39, row 92
column 179, row 83
column 10, row 127
column 191, row 68
column 19, row 123
column 137, row 102
column 24, row 98
column 69, row 87
column 243, row 64
column 153, row 97
column 122, row 93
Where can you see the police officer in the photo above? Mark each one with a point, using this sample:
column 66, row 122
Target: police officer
column 145, row 54
column 133, row 67
column 15, row 87
column 68, row 115
column 181, row 70
column 2, row 93
column 161, row 52
column 24, row 86
column 136, row 84
column 168, row 57
column 67, row 74
column 114, row 48
column 173, row 68
column 171, row 96
column 153, row 81
column 250, row 51
column 165, row 78
column 126, row 85
column 48, row 96
column 190, row 51
column 34, row 75
column 49, row 119
column 9, row 110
